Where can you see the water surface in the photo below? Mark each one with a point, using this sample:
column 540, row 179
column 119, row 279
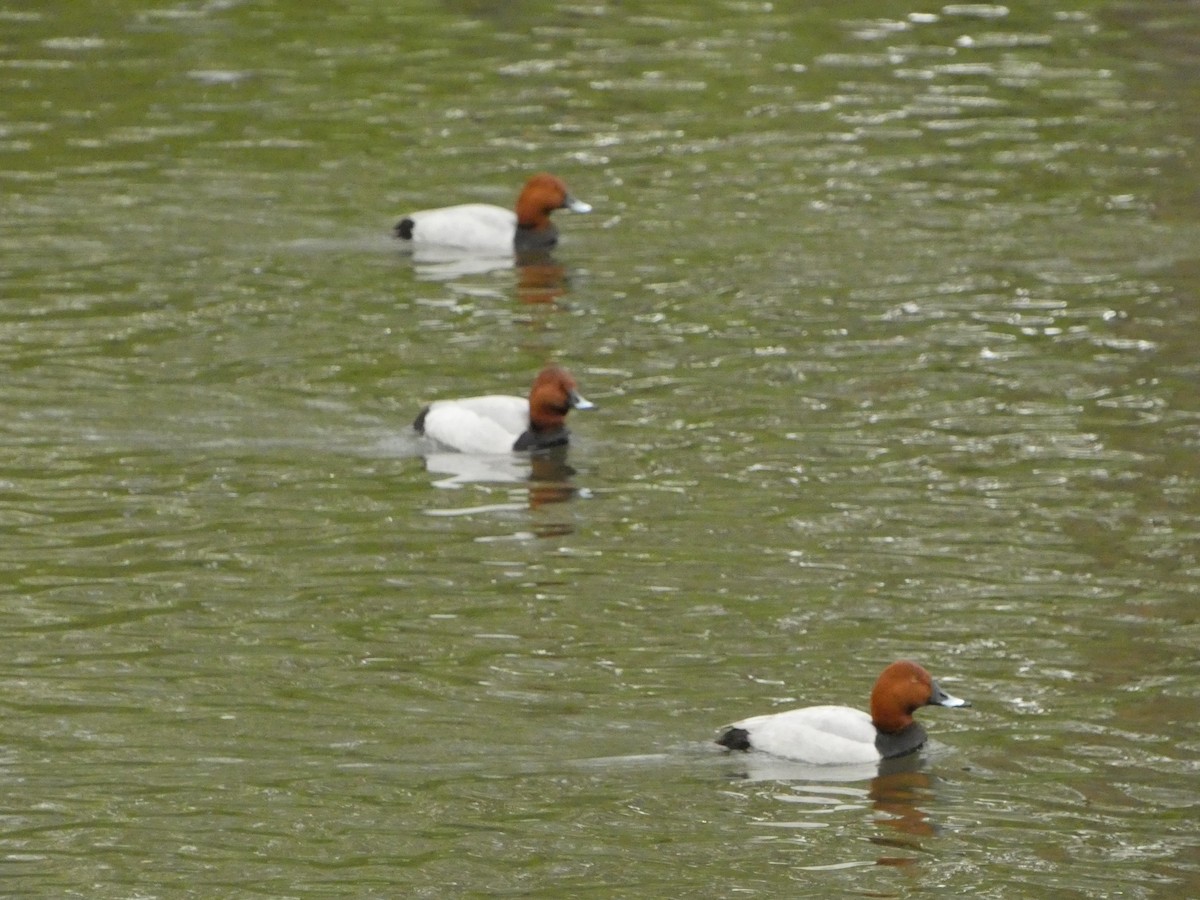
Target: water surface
column 890, row 316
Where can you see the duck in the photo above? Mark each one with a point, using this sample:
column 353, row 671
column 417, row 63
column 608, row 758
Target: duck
column 497, row 423
column 484, row 228
column 842, row 735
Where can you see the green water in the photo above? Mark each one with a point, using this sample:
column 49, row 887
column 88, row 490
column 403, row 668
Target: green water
column 890, row 314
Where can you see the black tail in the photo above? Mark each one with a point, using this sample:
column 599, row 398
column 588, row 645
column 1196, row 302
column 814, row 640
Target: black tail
column 735, row 739
column 404, row 229
column 419, row 421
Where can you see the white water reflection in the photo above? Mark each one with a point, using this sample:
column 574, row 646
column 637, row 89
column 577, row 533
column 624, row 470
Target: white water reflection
column 540, row 278
column 473, row 468
column 536, row 483
column 443, row 264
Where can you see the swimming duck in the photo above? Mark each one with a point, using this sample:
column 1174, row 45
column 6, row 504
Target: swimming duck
column 483, row 228
column 498, row 423
column 841, row 735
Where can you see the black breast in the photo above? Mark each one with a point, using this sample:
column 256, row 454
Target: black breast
column 542, row 440
column 900, row 743
column 535, row 238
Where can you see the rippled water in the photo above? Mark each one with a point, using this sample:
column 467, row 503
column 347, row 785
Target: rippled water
column 890, row 314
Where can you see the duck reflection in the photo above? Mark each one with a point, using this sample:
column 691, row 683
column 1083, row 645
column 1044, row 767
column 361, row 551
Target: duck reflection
column 448, row 263
column 540, row 277
column 899, row 791
column 550, row 478
column 895, row 797
column 546, row 473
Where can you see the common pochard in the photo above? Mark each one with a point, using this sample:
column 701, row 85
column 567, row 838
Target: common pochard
column 841, row 735
column 483, row 228
column 497, row 423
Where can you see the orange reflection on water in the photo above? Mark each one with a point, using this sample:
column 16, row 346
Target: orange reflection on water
column 540, row 279
column 895, row 797
column 550, row 479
